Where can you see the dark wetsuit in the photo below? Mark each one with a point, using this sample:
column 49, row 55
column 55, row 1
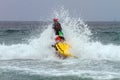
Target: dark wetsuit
column 57, row 27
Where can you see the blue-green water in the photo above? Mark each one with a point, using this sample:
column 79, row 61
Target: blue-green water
column 106, row 32
column 24, row 55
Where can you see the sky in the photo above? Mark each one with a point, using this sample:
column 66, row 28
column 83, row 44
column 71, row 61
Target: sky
column 37, row 10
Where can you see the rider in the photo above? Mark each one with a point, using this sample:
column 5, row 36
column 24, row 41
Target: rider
column 57, row 40
column 57, row 27
column 61, row 47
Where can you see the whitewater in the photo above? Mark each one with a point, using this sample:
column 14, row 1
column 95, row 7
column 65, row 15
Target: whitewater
column 36, row 59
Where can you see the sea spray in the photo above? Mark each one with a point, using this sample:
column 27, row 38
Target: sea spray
column 77, row 34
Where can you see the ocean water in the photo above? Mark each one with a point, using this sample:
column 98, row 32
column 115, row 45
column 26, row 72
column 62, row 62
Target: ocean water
column 26, row 52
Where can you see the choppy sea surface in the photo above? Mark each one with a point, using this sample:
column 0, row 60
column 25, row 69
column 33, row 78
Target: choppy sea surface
column 25, row 52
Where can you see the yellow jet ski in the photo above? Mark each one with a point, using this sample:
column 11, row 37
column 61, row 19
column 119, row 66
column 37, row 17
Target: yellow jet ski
column 63, row 49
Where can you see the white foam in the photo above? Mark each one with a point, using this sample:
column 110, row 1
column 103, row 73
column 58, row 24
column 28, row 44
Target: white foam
column 77, row 35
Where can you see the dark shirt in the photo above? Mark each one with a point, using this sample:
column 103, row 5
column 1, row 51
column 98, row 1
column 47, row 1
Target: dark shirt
column 57, row 26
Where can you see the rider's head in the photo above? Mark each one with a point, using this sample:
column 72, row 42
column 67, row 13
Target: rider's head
column 55, row 19
column 57, row 38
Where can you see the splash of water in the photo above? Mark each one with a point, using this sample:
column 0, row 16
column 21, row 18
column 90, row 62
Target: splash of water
column 77, row 34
